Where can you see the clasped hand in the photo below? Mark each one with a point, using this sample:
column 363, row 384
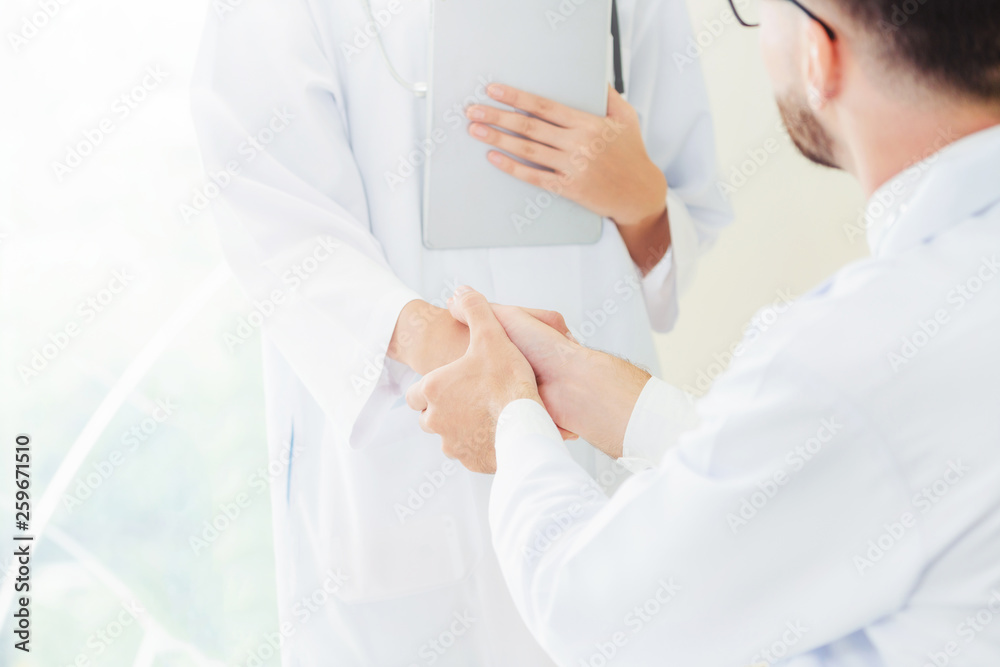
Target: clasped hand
column 512, row 355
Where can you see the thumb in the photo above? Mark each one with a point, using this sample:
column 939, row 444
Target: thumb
column 472, row 308
column 618, row 107
column 536, row 339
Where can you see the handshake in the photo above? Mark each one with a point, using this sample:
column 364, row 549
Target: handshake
column 515, row 354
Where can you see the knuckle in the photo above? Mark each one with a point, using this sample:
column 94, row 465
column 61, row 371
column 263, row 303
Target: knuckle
column 526, row 125
column 468, row 298
column 431, row 387
column 535, row 177
column 431, row 421
column 412, row 398
column 559, row 183
column 490, row 134
column 507, row 165
column 424, row 426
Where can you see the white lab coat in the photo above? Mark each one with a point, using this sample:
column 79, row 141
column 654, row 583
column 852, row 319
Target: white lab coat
column 839, row 505
column 370, row 518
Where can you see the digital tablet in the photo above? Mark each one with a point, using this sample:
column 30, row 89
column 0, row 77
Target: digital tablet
column 560, row 50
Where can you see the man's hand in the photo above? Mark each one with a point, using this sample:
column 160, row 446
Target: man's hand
column 427, row 337
column 586, row 392
column 462, row 401
column 600, row 163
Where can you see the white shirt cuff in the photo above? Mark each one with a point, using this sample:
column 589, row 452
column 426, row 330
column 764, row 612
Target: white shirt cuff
column 662, row 413
column 662, row 285
column 656, row 279
column 522, row 418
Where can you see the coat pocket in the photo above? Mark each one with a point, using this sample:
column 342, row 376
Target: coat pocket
column 398, row 517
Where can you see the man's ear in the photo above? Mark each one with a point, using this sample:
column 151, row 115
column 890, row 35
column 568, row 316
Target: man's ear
column 822, row 66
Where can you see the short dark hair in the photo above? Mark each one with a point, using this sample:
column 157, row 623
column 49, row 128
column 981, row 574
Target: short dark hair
column 953, row 43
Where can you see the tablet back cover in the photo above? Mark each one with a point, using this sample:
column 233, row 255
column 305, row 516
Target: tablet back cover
column 535, row 46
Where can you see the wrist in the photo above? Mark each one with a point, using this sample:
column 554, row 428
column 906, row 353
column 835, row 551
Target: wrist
column 519, row 392
column 648, row 241
column 646, row 212
column 643, row 221
column 427, row 337
column 608, row 389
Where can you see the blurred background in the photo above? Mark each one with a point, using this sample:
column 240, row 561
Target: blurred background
column 114, row 309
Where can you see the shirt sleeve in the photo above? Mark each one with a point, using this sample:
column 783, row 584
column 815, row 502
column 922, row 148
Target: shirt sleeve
column 290, row 207
column 661, row 415
column 756, row 529
column 672, row 102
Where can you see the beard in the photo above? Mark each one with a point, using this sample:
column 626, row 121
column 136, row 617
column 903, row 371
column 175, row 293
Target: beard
column 812, row 140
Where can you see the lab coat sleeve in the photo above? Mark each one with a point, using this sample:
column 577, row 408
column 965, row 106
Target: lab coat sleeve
column 661, row 415
column 290, row 205
column 668, row 91
column 754, row 530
